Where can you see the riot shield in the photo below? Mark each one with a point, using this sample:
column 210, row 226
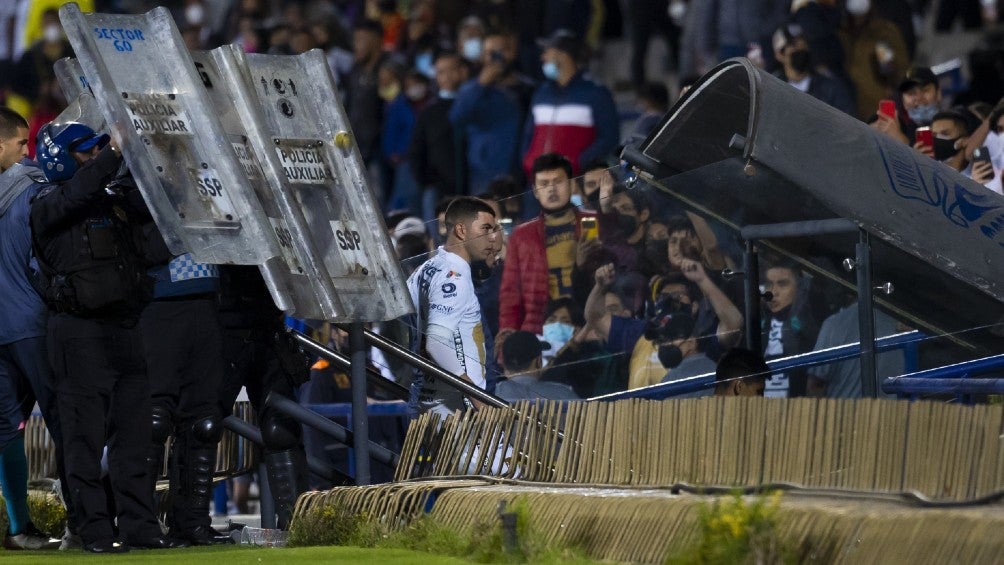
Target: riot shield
column 291, row 284
column 158, row 112
column 301, row 135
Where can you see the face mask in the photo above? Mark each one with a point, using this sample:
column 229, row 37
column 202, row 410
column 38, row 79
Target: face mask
column 447, row 94
column 626, row 224
column 423, row 64
column 799, row 61
column 944, row 149
column 577, row 200
column 858, row 7
column 558, row 332
column 550, row 70
column 471, row 49
column 52, row 33
column 480, row 271
column 388, row 93
column 670, row 356
column 655, row 251
column 194, row 14
column 922, row 115
column 416, row 93
column 594, row 200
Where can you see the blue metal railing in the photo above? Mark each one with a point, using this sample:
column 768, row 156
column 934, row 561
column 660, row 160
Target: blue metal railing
column 960, row 379
column 906, row 341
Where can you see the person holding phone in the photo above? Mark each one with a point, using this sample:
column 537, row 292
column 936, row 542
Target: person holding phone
column 951, row 130
column 545, row 255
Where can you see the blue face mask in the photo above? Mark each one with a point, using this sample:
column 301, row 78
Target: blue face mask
column 447, row 94
column 922, row 115
column 550, row 69
column 471, row 49
column 577, row 200
column 423, row 64
column 558, row 332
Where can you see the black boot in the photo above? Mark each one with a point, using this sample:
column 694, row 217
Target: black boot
column 196, row 465
column 286, row 480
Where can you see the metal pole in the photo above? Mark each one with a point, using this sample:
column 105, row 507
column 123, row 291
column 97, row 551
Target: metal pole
column 866, row 317
column 266, row 504
column 316, row 466
column 402, row 353
column 360, row 419
column 751, row 264
column 798, row 229
column 345, row 364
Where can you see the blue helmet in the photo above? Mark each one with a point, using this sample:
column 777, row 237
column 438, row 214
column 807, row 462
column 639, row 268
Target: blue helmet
column 56, row 145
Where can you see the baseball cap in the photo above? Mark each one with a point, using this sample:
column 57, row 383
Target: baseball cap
column 563, row 40
column 918, row 76
column 412, row 225
column 522, row 347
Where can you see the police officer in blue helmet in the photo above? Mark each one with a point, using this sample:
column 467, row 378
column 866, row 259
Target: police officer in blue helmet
column 87, row 230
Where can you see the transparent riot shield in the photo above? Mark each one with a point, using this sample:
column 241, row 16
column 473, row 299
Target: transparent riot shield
column 301, row 134
column 152, row 98
column 293, row 278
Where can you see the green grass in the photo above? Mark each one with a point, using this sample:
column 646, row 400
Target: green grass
column 233, row 555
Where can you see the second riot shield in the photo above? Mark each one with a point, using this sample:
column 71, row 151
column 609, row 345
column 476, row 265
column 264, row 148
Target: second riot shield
column 301, row 135
column 293, row 278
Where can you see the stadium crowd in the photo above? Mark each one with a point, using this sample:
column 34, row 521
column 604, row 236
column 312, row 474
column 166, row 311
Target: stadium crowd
column 539, row 266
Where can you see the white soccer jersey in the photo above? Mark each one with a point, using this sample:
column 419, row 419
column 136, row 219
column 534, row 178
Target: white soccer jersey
column 449, row 315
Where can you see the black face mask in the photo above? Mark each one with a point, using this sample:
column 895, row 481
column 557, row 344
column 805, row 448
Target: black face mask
column 594, row 200
column 944, row 149
column 626, row 225
column 655, row 251
column 480, row 271
column 800, row 61
column 670, row 356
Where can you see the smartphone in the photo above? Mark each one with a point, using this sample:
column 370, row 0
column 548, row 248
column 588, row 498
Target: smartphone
column 590, row 230
column 981, row 154
column 925, row 136
column 887, row 108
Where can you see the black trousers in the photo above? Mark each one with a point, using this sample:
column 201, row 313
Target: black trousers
column 183, row 347
column 103, row 398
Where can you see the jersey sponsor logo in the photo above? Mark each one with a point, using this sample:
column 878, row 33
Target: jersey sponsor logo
column 441, row 308
column 452, row 275
column 449, row 290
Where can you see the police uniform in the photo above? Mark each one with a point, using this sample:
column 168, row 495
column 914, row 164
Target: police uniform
column 183, row 346
column 261, row 356
column 89, row 250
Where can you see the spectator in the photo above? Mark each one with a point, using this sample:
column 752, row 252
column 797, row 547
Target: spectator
column 729, row 28
column 363, row 103
column 523, row 363
column 842, row 379
column 623, row 223
column 489, row 112
column 654, row 100
column 402, row 96
column 820, row 23
column 788, row 328
column 433, row 153
column 582, row 361
column 951, row 130
column 470, row 40
column 647, row 18
column 874, row 54
column 543, row 253
column 671, row 327
column 921, row 100
column 740, row 372
column 596, row 181
column 569, row 114
column 798, row 68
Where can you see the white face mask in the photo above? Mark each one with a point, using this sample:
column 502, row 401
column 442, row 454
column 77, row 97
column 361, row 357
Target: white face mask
column 52, row 33
column 859, row 7
column 194, row 14
column 472, row 49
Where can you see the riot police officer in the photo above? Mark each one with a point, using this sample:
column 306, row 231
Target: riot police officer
column 261, row 356
column 89, row 249
column 183, row 344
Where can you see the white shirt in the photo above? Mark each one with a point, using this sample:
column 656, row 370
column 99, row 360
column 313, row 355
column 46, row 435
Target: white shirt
column 449, row 315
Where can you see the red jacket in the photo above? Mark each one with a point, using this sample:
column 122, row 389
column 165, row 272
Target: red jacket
column 524, row 293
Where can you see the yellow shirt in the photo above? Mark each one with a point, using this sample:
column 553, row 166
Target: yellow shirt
column 644, row 367
column 559, row 238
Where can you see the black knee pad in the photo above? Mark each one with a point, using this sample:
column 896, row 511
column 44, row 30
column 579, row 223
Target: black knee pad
column 208, row 429
column 161, row 424
column 279, row 431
